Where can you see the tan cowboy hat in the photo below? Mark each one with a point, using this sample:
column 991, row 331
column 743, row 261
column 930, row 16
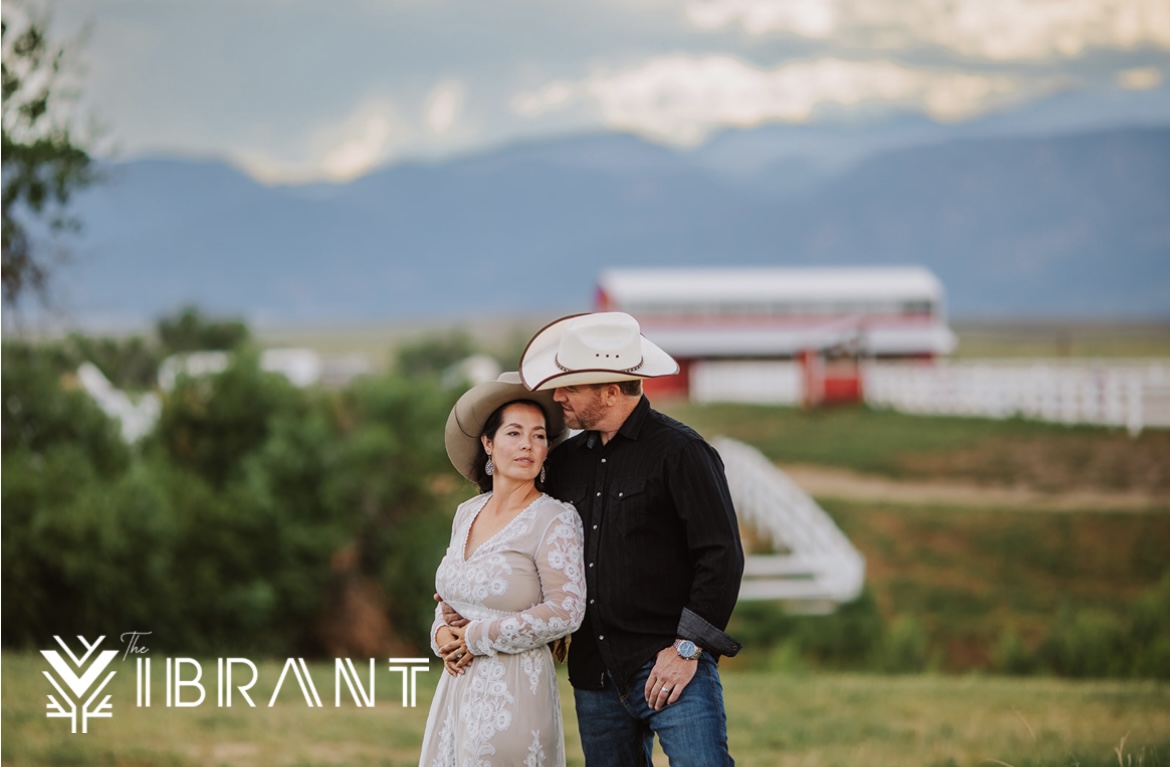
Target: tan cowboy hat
column 603, row 347
column 467, row 419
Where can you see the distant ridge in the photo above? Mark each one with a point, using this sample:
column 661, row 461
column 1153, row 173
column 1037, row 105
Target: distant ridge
column 1024, row 226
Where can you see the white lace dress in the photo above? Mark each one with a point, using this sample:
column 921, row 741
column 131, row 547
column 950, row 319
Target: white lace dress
column 521, row 589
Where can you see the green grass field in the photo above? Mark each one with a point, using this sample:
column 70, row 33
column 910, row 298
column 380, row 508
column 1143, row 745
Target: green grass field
column 1061, row 339
column 1010, row 452
column 788, row 720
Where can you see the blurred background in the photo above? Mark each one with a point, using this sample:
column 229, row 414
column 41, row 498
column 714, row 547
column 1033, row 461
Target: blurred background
column 914, row 257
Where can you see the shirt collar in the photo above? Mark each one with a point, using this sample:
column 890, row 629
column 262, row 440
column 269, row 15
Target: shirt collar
column 630, row 429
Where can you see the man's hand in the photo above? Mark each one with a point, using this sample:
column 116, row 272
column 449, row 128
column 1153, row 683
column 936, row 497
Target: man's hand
column 669, row 677
column 450, row 617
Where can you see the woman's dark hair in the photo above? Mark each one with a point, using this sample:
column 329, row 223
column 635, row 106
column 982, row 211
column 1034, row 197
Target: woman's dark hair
column 478, row 475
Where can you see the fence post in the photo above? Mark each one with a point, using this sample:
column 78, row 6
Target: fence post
column 1133, row 420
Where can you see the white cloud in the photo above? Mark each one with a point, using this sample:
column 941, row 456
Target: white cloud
column 550, row 97
column 1140, row 78
column 377, row 81
column 807, row 18
column 370, row 136
column 681, row 100
column 366, row 139
column 1003, row 30
column 444, row 105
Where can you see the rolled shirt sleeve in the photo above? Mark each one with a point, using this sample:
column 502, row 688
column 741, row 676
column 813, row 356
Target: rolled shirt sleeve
column 701, row 496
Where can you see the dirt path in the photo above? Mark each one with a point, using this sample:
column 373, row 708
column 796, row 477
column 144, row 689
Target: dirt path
column 832, row 482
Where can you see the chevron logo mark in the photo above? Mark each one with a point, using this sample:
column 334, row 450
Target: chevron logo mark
column 74, row 681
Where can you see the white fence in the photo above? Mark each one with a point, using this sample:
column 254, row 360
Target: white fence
column 817, row 568
column 137, row 416
column 1134, row 394
column 762, row 382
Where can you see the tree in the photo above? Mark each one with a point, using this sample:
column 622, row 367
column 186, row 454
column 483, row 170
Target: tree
column 43, row 161
column 189, row 330
column 430, row 356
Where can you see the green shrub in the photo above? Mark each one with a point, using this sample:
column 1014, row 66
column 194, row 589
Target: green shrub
column 1087, row 643
column 844, row 639
column 904, row 647
column 209, row 424
column 388, row 458
column 428, row 357
column 847, row 638
column 43, row 408
column 218, row 533
column 1150, row 632
column 190, row 330
column 82, row 553
column 1010, row 655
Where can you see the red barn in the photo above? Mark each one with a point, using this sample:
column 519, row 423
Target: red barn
column 824, row 317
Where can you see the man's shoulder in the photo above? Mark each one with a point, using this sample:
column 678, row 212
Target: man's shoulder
column 565, row 451
column 570, row 445
column 661, row 426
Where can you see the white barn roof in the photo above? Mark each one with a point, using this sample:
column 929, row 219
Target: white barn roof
column 746, row 284
column 767, row 311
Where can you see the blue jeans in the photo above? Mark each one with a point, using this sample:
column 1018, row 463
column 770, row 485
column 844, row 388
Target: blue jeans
column 619, row 732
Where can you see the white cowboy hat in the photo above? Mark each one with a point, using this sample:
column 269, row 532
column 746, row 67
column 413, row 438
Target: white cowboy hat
column 472, row 410
column 603, row 347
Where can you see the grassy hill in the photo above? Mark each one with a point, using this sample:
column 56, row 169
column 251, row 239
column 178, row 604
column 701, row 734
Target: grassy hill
column 1014, row 452
column 967, row 585
column 1037, row 338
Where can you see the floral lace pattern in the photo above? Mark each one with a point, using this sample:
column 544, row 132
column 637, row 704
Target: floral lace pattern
column 520, row 590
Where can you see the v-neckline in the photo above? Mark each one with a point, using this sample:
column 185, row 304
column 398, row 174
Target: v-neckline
column 467, row 533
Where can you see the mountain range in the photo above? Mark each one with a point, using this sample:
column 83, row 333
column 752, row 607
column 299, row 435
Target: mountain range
column 1034, row 224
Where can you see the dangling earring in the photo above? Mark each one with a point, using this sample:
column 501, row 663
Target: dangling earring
column 542, row 474
column 489, row 468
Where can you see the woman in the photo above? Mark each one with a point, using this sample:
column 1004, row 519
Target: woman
column 514, row 570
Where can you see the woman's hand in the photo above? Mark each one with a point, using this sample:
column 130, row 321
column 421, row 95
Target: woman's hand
column 453, row 649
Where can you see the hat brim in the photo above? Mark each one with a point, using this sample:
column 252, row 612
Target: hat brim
column 467, row 418
column 540, row 372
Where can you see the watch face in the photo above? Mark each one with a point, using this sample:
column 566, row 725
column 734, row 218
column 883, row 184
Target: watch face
column 686, row 648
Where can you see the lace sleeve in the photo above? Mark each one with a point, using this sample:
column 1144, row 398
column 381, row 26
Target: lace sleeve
column 460, row 512
column 439, row 622
column 560, row 565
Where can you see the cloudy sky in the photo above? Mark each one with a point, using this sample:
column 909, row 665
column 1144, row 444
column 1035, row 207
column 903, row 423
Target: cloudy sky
column 295, row 90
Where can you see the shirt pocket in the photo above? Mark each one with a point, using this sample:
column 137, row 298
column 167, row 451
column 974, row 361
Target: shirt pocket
column 576, row 495
column 631, row 502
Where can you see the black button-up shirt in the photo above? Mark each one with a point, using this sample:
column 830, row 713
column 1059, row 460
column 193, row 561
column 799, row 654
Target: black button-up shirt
column 663, row 557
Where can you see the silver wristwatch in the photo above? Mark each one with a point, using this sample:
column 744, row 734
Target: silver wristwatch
column 686, row 649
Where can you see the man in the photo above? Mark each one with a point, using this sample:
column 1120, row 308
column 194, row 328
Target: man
column 663, row 559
